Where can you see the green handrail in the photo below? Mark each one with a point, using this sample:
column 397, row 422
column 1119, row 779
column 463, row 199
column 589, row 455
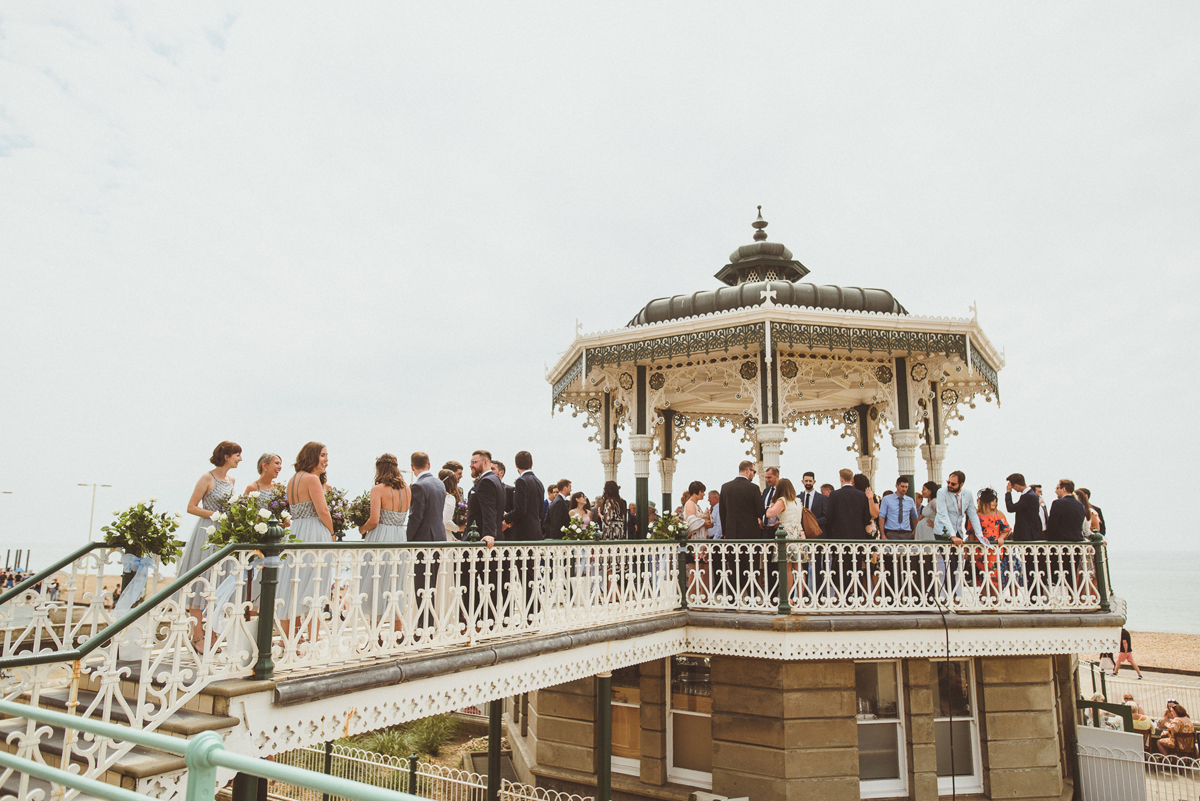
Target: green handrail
column 48, row 572
column 203, row 753
column 126, row 620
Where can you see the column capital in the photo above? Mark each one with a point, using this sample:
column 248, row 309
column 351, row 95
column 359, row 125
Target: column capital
column 641, row 445
column 905, row 438
column 610, row 456
column 770, row 433
column 867, row 465
column 934, row 456
column 905, row 442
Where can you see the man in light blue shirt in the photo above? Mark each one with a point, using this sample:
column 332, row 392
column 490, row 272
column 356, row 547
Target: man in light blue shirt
column 955, row 506
column 714, row 501
column 898, row 513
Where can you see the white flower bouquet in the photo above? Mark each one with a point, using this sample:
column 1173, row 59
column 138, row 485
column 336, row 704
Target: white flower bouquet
column 244, row 521
column 577, row 529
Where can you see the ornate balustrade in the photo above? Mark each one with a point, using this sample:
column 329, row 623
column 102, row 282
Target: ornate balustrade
column 827, row 577
column 342, row 604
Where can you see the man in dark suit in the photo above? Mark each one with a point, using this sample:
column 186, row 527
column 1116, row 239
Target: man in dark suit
column 523, row 524
column 1067, row 514
column 812, row 500
column 1027, row 520
column 485, row 510
column 510, row 491
column 425, row 525
column 740, row 511
column 848, row 517
column 769, row 524
column 558, row 515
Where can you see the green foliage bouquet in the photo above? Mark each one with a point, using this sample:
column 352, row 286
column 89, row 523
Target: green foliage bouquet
column 577, row 529
column 244, row 521
column 668, row 527
column 359, row 511
column 141, row 531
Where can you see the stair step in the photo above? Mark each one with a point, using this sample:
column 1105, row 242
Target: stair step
column 12, row 786
column 138, row 763
column 184, row 723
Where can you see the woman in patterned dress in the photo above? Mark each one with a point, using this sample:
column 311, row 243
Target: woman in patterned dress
column 301, row 588
column 390, row 499
column 995, row 532
column 269, row 467
column 210, row 497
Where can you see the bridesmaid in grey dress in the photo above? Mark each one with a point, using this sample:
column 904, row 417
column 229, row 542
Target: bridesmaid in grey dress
column 390, row 499
column 211, row 495
column 301, row 589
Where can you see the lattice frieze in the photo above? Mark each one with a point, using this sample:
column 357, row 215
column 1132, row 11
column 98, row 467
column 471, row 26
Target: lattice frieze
column 568, row 378
column 849, row 338
column 694, row 342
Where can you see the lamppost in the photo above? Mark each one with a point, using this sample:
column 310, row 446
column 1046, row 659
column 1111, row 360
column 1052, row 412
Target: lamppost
column 92, row 517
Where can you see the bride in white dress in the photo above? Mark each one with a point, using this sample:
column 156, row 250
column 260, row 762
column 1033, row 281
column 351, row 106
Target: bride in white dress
column 300, row 586
column 383, row 597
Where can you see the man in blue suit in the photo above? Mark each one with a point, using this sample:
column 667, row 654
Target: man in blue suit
column 425, row 525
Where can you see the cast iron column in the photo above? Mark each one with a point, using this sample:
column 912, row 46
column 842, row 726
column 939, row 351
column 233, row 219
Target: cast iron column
column 604, row 758
column 495, row 714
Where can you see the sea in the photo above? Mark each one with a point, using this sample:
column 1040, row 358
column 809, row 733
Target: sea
column 1161, row 589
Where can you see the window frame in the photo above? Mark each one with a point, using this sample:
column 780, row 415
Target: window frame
column 887, row 788
column 685, row 776
column 972, row 784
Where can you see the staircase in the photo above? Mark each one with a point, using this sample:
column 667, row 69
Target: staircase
column 154, row 774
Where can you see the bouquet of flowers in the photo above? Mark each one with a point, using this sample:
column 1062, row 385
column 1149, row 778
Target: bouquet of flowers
column 460, row 513
column 277, row 501
column 339, row 508
column 580, row 528
column 668, row 527
column 359, row 510
column 141, row 531
column 244, row 521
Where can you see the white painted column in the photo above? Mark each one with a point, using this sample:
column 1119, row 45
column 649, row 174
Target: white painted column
column 905, row 443
column 934, row 456
column 867, row 465
column 666, row 472
column 610, row 459
column 770, row 439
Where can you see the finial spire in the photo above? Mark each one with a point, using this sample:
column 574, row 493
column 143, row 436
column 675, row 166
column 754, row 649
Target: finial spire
column 759, row 234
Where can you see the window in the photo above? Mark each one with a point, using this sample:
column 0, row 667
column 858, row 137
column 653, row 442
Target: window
column 955, row 717
column 627, row 720
column 882, row 771
column 689, row 727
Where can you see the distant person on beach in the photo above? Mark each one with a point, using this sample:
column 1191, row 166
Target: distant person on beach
column 1126, row 654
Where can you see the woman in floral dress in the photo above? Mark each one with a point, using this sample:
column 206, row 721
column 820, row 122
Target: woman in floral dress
column 995, row 532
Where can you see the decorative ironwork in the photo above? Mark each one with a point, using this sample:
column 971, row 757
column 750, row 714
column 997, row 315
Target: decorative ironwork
column 869, row 339
column 850, row 416
column 568, row 378
column 626, row 381
column 788, row 368
column 884, row 374
column 748, row 370
column 749, row 422
column 874, row 412
column 594, row 405
column 981, row 366
column 918, row 372
column 739, row 336
column 949, row 397
column 657, row 380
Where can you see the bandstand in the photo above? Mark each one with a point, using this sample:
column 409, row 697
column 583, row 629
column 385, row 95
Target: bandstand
column 769, row 352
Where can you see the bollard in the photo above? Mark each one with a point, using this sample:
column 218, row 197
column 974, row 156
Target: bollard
column 264, row 666
column 412, row 773
column 781, row 568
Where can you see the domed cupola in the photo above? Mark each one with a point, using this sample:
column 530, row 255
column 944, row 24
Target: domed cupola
column 761, row 260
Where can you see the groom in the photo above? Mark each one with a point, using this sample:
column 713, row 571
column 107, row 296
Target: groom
column 425, row 525
column 485, row 508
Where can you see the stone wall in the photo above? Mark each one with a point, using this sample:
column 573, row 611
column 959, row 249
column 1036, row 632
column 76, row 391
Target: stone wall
column 1021, row 747
column 919, row 677
column 565, row 726
column 784, row 730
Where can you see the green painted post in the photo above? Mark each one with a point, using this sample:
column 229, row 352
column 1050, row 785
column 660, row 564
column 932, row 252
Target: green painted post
column 328, row 764
column 245, row 787
column 1100, row 565
column 412, row 773
column 264, row 667
column 681, row 559
column 1103, row 685
column 202, row 773
column 495, row 714
column 604, row 768
column 643, row 507
column 781, row 566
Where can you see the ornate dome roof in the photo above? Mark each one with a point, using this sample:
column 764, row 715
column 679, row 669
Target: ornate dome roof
column 751, row 268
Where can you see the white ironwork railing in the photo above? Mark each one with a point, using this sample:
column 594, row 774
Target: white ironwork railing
column 892, row 576
column 1150, row 695
column 433, row 781
column 1120, row 775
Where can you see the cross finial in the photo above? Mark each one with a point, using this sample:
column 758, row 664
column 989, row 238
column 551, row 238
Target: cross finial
column 759, row 234
column 578, row 328
column 974, row 307
column 768, row 296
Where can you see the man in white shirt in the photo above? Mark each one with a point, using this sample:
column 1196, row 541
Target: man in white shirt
column 714, row 511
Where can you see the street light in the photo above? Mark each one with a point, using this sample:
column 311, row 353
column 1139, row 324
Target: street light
column 92, row 518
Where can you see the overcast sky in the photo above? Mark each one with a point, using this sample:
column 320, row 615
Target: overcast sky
column 375, row 225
